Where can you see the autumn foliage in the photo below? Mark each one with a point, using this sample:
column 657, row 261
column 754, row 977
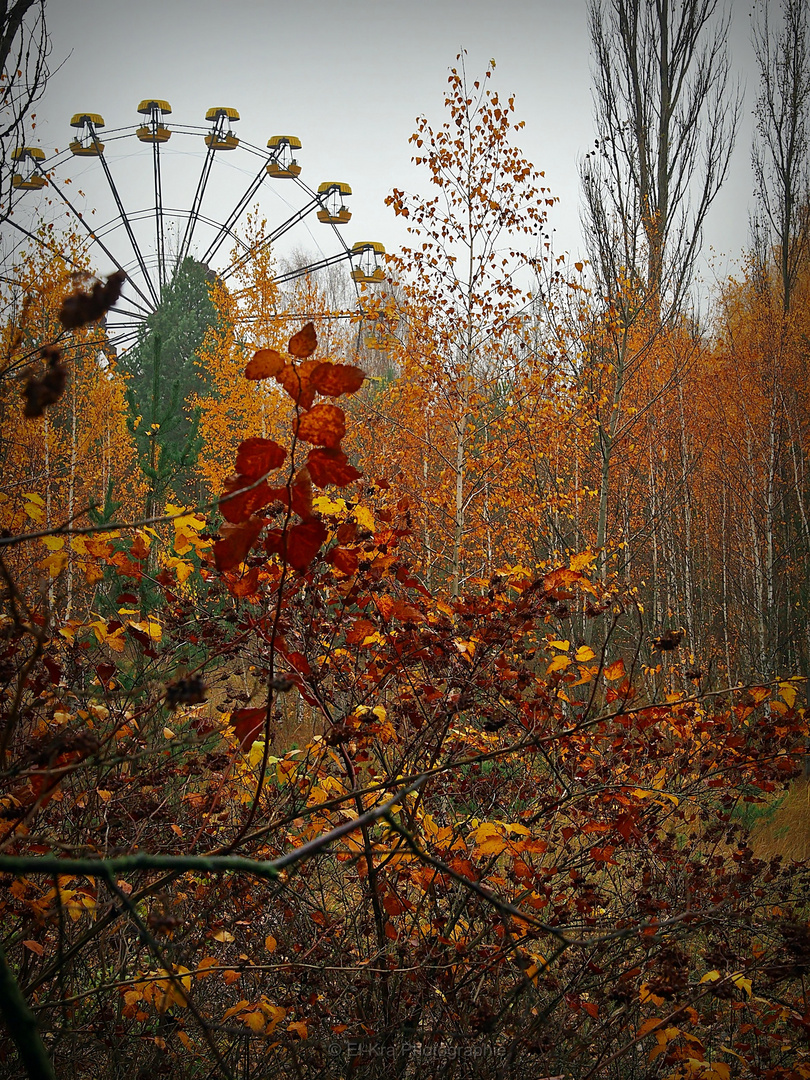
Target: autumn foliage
column 375, row 761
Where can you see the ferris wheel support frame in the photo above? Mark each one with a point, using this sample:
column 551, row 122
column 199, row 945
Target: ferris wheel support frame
column 216, row 138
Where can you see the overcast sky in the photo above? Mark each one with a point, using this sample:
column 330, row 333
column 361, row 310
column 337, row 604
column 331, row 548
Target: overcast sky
column 348, row 77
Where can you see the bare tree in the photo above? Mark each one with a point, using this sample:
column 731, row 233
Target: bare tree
column 781, row 153
column 24, row 49
column 666, row 118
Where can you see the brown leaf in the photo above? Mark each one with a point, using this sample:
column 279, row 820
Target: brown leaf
column 81, row 308
column 39, row 393
column 265, row 364
column 236, row 542
column 304, row 343
column 336, row 379
column 331, row 467
column 668, row 641
column 257, row 457
column 324, row 425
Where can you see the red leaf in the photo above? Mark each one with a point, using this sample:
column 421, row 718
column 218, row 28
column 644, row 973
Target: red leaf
column 304, row 343
column 331, row 467
column 248, row 723
column 295, row 380
column 236, row 542
column 238, row 508
column 256, row 457
column 324, row 425
column 265, row 364
column 336, row 379
column 304, row 542
column 301, row 491
column 298, row 661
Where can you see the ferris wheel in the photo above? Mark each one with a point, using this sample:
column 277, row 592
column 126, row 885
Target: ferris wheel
column 162, row 193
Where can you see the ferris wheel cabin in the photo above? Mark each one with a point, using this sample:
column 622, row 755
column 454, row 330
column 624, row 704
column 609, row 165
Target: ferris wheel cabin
column 369, row 270
column 333, row 211
column 86, row 143
column 26, row 176
column 221, row 137
column 283, row 166
column 153, row 130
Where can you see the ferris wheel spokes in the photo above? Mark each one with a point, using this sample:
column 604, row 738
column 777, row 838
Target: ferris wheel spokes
column 271, row 166
column 154, row 131
column 91, row 146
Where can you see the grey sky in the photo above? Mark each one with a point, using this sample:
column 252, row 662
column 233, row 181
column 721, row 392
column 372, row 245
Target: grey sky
column 348, row 78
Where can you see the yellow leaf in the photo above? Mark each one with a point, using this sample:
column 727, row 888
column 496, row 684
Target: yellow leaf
column 579, row 562
column 298, row 1028
column 559, row 663
column 168, row 733
column 614, row 671
column 364, row 518
column 148, row 626
column 270, row 943
column 324, row 505
column 55, row 563
column 788, row 693
column 710, row 976
column 56, row 543
column 223, row 935
column 741, row 982
column 564, row 645
column 759, row 693
column 584, row 653
column 34, row 506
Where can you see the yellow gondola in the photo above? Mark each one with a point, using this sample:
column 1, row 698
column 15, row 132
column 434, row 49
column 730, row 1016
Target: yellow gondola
column 156, row 131
column 30, row 180
column 333, row 211
column 285, row 167
column 219, row 140
column 86, row 146
column 369, row 271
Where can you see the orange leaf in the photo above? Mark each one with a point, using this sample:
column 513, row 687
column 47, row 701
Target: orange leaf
column 265, row 364
column 615, row 670
column 247, row 723
column 336, row 379
column 256, row 457
column 236, row 541
column 325, row 425
column 344, row 560
column 304, row 343
column 295, row 380
column 331, row 467
column 301, row 493
column 361, row 629
column 247, row 585
column 34, row 946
